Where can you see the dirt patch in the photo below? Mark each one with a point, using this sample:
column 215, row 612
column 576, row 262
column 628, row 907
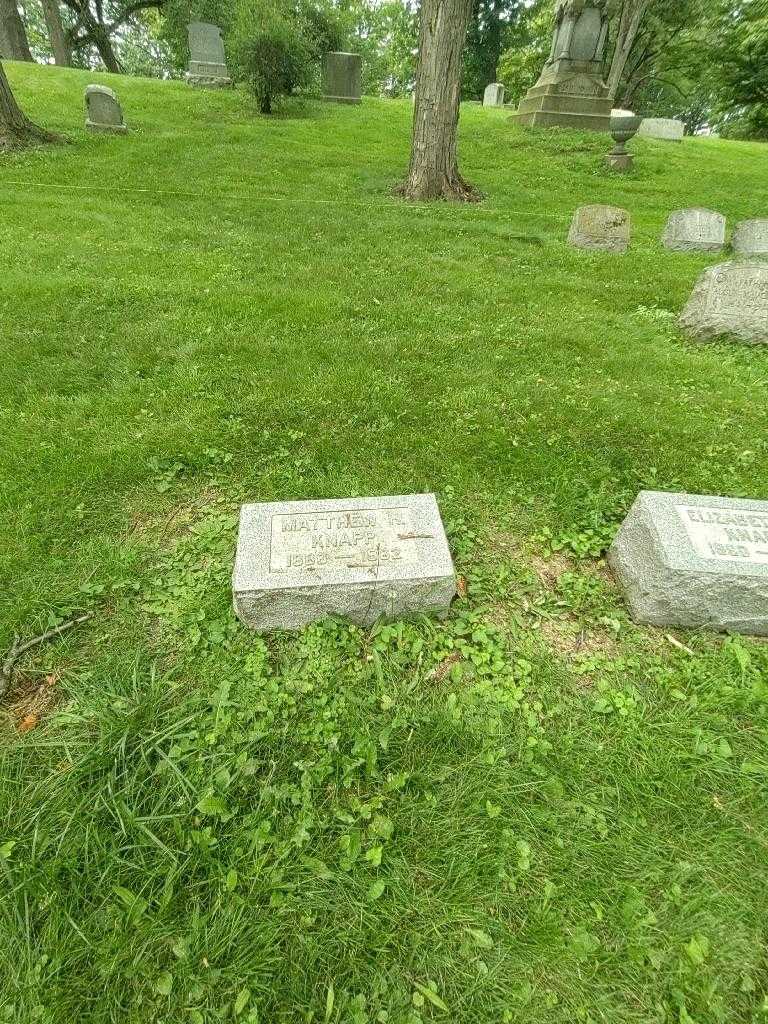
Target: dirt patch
column 32, row 699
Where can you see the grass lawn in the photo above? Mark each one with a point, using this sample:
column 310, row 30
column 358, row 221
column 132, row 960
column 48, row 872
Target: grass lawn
column 535, row 811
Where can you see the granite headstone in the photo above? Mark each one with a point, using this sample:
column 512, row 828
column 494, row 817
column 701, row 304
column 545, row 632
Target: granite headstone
column 343, row 77
column 695, row 230
column 103, row 111
column 694, row 561
column 494, row 95
column 208, row 62
column 361, row 558
column 600, row 227
column 750, row 238
column 730, row 299
column 668, row 129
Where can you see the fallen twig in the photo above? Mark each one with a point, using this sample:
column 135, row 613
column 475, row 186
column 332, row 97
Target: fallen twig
column 679, row 646
column 17, row 649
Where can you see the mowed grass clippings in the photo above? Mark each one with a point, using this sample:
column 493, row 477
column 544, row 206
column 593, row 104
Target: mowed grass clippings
column 533, row 811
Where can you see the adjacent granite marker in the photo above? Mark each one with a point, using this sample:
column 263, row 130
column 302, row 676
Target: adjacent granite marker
column 343, row 77
column 571, row 91
column 494, row 95
column 208, row 62
column 730, row 299
column 695, row 561
column 750, row 238
column 103, row 110
column 665, row 128
column 600, row 227
column 695, row 230
column 362, row 558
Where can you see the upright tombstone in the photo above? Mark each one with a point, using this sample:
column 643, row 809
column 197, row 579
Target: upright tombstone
column 600, row 227
column 207, row 60
column 695, row 230
column 570, row 91
column 730, row 299
column 665, row 128
column 343, row 77
column 695, row 561
column 750, row 238
column 362, row 558
column 494, row 95
column 103, row 112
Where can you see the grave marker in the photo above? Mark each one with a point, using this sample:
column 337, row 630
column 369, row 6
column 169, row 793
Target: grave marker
column 494, row 95
column 343, row 77
column 208, row 62
column 750, row 238
column 695, row 561
column 600, row 227
column 362, row 558
column 730, row 299
column 695, row 230
column 668, row 129
column 103, row 110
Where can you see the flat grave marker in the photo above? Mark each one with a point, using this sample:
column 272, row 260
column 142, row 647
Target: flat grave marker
column 750, row 238
column 693, row 560
column 361, row 558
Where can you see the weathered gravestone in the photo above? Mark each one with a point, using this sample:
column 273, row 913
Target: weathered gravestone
column 691, row 560
column 730, row 299
column 665, row 128
column 695, row 230
column 363, row 558
column 343, row 77
column 208, row 62
column 750, row 238
column 103, row 110
column 600, row 227
column 494, row 95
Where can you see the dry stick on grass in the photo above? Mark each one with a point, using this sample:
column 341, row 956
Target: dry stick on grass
column 17, row 649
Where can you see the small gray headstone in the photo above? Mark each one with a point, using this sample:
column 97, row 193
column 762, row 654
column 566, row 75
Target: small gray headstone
column 665, row 128
column 103, row 110
column 750, row 238
column 208, row 62
column 730, row 299
column 494, row 95
column 600, row 227
column 695, row 561
column 362, row 558
column 695, row 230
column 343, row 77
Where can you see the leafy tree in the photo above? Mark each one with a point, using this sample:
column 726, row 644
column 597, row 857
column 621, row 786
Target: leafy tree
column 738, row 40
column 529, row 43
column 386, row 35
column 278, row 46
column 494, row 27
column 434, row 168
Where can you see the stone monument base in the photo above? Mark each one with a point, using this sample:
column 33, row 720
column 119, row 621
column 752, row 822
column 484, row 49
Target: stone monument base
column 110, row 129
column 208, row 76
column 570, row 94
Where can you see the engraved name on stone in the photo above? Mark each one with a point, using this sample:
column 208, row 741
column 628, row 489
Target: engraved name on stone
column 738, row 290
column 721, row 533
column 344, row 539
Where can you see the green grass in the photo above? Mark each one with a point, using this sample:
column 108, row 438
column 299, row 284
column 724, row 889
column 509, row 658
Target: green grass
column 535, row 811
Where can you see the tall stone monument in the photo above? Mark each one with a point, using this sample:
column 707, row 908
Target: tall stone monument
column 570, row 91
column 207, row 60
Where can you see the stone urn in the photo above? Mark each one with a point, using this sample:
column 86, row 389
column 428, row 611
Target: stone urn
column 623, row 128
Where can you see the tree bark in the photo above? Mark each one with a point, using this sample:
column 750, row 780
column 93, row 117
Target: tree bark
column 434, row 167
column 61, row 51
column 632, row 14
column 15, row 128
column 13, row 36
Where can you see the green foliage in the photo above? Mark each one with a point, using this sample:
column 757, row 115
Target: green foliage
column 495, row 26
column 522, row 61
column 387, row 37
column 739, row 68
column 278, row 47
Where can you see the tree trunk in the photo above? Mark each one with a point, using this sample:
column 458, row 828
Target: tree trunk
column 95, row 33
column 632, row 14
column 59, row 45
column 13, row 36
column 15, row 129
column 434, row 167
